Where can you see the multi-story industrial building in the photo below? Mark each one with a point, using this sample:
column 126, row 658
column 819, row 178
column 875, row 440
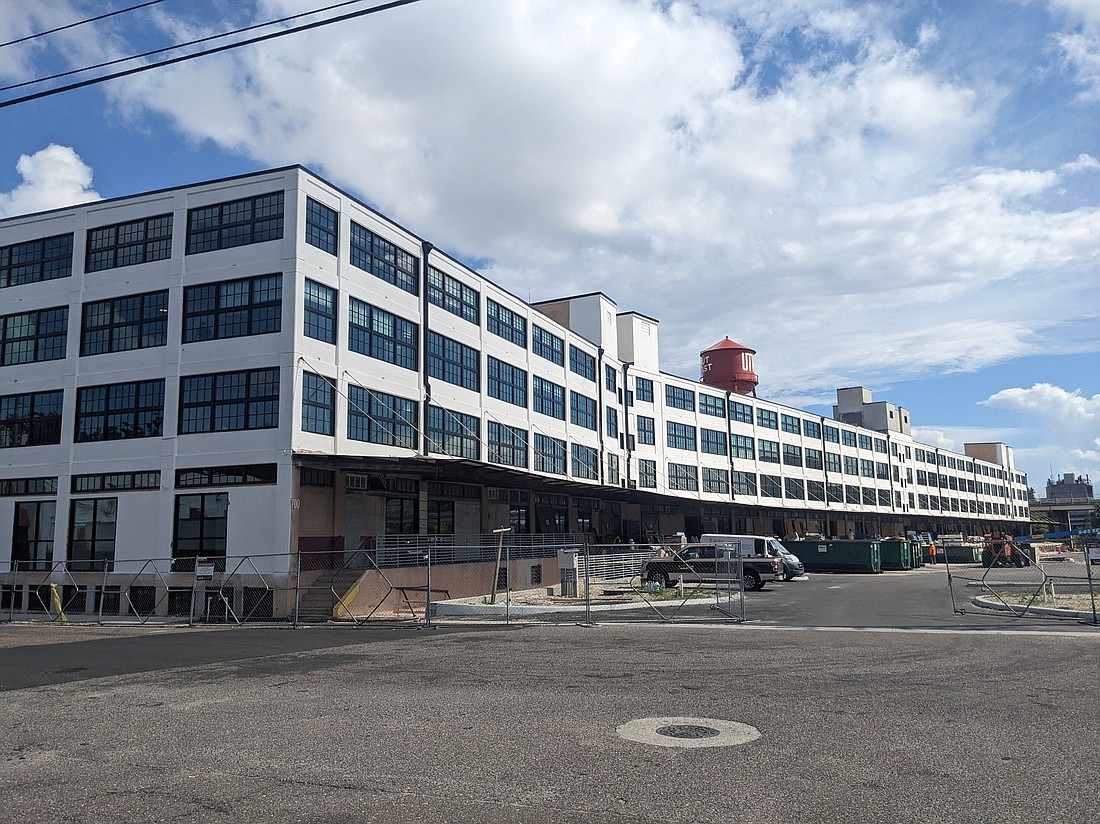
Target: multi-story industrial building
column 1068, row 505
column 255, row 365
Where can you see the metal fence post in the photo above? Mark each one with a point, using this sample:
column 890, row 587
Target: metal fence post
column 297, row 588
column 428, row 594
column 1092, row 591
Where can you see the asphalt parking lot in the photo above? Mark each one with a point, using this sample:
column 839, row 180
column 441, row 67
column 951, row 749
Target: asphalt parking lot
column 871, row 701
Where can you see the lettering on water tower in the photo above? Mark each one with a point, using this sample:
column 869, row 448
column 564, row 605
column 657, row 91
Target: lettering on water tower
column 705, row 365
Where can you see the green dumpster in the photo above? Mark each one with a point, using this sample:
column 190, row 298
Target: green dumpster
column 895, row 555
column 959, row 553
column 837, row 556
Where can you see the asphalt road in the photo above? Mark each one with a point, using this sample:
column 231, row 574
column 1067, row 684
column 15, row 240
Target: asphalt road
column 873, row 700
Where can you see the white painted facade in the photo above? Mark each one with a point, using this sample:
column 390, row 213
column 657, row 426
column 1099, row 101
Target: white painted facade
column 271, row 518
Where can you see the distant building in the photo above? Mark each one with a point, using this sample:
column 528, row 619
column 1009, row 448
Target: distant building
column 249, row 367
column 1068, row 503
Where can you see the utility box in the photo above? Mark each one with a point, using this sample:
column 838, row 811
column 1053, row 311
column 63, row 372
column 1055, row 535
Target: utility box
column 567, row 564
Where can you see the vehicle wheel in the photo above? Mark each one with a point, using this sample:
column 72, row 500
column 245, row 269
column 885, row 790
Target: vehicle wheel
column 658, row 578
column 789, row 576
column 752, row 581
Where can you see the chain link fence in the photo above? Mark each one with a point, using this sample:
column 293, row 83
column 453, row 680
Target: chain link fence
column 1021, row 580
column 489, row 578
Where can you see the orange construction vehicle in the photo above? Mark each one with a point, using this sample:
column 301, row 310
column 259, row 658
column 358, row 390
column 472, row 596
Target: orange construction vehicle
column 1000, row 550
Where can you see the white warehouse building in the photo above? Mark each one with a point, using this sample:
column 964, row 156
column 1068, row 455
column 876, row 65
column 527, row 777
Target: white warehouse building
column 250, row 367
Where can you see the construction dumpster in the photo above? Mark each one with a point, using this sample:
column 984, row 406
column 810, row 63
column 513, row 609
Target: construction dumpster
column 895, row 555
column 959, row 553
column 837, row 556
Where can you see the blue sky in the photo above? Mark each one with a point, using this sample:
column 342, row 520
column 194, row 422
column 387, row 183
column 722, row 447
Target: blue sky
column 900, row 195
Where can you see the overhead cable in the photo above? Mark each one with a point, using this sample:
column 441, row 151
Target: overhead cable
column 79, row 23
column 136, row 70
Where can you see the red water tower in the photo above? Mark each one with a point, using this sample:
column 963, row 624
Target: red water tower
column 728, row 365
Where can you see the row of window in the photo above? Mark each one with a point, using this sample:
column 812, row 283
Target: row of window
column 221, row 402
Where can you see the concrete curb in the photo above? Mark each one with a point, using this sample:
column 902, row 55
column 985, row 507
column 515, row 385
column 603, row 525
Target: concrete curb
column 987, row 602
column 445, row 608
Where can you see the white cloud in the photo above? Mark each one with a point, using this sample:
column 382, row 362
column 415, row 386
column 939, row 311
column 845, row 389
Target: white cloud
column 52, row 177
column 1068, row 420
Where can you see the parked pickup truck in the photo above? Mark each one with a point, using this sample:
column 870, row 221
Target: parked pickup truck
column 709, row 564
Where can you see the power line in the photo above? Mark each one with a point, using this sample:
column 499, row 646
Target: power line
column 79, row 23
column 361, row 13
column 177, row 46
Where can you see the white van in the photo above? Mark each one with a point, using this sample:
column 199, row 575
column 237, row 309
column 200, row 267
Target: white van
column 756, row 546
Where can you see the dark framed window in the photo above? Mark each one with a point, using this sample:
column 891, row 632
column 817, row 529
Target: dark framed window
column 813, row 459
column 130, row 243
column 847, row 437
column 834, row 493
column 507, row 445
column 441, row 518
column 92, row 523
column 453, row 362
column 643, row 390
column 35, row 336
column 679, row 398
column 743, row 446
column 815, row 491
column 683, row 477
column 116, row 481
column 851, row 494
column 790, row 424
column 36, row 260
column 547, row 346
column 547, row 398
column 235, row 475
column 119, row 411
column 586, row 462
column 582, row 409
column 232, row 308
column 10, row 487
column 379, row 334
column 794, row 489
column 235, row 223
column 883, row 497
column 880, row 447
column 680, row 436
column 318, row 404
column 647, row 433
column 864, row 441
column 322, row 226
column 582, row 363
column 716, row 481
column 771, row 486
column 32, row 419
column 647, row 473
column 201, row 525
column 870, row 498
column 866, row 468
column 882, row 471
column 384, row 260
column 612, row 422
column 506, row 382
column 454, row 296
column 613, row 473
column 792, row 455
column 832, row 462
column 502, row 321
column 713, row 442
column 767, row 419
column 768, row 451
column 32, row 534
column 229, row 401
column 378, row 417
column 319, row 305
column 549, row 454
column 454, row 433
column 124, row 323
column 831, row 433
column 743, row 483
column 710, row 405
column 610, row 378
column 740, row 412
column 851, row 465
column 401, row 516
column 811, row 429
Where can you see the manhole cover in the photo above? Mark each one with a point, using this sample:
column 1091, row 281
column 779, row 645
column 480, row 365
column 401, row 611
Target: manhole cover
column 688, row 732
